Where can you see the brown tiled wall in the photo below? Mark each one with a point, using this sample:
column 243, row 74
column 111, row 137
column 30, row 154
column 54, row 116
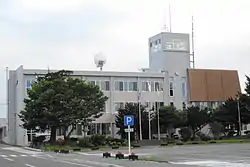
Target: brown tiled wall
column 212, row 85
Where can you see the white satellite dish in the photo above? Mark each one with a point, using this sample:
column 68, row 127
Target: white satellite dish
column 100, row 60
column 177, row 74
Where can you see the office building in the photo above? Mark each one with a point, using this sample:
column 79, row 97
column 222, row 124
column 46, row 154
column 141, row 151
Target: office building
column 168, row 80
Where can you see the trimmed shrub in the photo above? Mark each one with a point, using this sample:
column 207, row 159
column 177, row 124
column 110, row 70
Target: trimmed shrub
column 185, row 133
column 179, row 143
column 203, row 137
column 85, row 142
column 98, row 140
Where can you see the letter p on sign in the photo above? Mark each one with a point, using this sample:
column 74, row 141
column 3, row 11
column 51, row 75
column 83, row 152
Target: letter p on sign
column 128, row 120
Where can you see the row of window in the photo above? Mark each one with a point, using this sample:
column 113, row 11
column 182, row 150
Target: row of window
column 130, row 86
column 147, row 86
column 119, row 105
column 156, row 42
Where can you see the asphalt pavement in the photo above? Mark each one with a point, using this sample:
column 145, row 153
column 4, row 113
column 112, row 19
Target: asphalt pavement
column 20, row 157
column 217, row 155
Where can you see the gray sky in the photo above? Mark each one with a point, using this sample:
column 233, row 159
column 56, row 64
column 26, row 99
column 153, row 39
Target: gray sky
column 67, row 33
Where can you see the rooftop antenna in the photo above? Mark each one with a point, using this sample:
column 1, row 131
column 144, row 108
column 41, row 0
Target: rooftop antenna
column 192, row 38
column 100, row 60
column 170, row 18
column 48, row 69
column 165, row 28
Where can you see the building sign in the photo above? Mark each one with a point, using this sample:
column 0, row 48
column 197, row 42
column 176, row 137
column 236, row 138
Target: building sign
column 176, row 45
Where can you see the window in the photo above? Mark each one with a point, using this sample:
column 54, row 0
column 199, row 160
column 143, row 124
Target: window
column 132, row 86
column 147, row 104
column 150, row 45
column 92, row 82
column 172, row 104
column 156, row 42
column 183, row 87
column 119, row 105
column 159, row 41
column 244, row 127
column 158, row 86
column 79, row 129
column 28, row 84
column 119, row 85
column 105, row 85
column 126, row 86
column 146, row 86
column 183, row 105
column 171, row 89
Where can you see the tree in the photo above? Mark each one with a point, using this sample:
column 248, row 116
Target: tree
column 57, row 100
column 217, row 129
column 169, row 119
column 132, row 109
column 196, row 118
column 227, row 114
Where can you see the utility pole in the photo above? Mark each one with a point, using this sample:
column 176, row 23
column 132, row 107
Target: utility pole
column 239, row 115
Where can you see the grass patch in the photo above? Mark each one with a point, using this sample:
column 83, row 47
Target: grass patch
column 225, row 141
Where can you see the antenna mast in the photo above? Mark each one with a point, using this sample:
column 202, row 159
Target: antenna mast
column 192, row 54
column 170, row 19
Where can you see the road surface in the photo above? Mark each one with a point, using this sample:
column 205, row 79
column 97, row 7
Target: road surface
column 20, row 157
column 218, row 155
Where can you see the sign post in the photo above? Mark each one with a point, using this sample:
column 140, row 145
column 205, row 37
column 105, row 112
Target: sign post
column 129, row 121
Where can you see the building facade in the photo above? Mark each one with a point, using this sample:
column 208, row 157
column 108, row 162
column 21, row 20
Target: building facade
column 168, row 80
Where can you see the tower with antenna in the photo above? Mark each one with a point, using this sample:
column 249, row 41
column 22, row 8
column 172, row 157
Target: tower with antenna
column 192, row 59
column 100, row 60
column 165, row 28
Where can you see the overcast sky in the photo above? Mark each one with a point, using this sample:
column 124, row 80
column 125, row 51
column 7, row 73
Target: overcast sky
column 67, row 33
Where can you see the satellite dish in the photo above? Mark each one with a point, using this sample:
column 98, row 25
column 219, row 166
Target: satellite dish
column 100, row 60
column 177, row 74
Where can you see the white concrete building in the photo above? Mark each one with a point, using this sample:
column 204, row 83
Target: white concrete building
column 169, row 61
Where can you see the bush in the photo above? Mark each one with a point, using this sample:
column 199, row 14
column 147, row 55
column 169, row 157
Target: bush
column 73, row 139
column 95, row 148
column 185, row 134
column 60, row 142
column 231, row 133
column 203, row 137
column 179, row 143
column 85, row 142
column 212, row 142
column 98, row 140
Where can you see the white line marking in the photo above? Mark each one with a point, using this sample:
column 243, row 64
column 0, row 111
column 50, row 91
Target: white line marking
column 13, row 155
column 9, row 159
column 98, row 163
column 66, row 162
column 23, row 155
column 4, row 156
column 29, row 165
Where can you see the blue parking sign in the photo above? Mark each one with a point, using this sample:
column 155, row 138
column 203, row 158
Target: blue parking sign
column 129, row 120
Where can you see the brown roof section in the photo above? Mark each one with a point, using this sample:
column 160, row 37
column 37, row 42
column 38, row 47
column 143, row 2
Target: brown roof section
column 212, row 85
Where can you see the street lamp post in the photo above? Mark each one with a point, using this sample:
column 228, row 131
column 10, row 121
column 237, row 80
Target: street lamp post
column 239, row 115
column 158, row 121
column 149, row 124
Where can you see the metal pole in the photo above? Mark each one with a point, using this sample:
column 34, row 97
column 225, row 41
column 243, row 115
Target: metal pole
column 140, row 125
column 149, row 124
column 139, row 108
column 31, row 136
column 158, row 122
column 239, row 116
column 129, row 143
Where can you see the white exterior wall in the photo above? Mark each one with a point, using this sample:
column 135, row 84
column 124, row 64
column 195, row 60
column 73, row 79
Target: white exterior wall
column 174, row 60
column 18, row 85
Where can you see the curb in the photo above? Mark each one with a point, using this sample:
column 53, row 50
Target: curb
column 32, row 149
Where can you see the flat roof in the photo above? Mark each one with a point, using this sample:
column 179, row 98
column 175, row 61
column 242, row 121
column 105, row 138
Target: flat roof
column 99, row 73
